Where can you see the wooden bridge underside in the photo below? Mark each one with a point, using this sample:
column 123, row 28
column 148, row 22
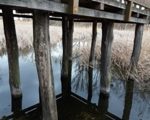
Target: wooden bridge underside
column 126, row 11
column 106, row 11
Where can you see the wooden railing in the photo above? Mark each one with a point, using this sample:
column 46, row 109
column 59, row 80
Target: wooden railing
column 129, row 7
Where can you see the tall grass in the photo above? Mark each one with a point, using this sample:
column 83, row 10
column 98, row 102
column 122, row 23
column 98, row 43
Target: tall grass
column 121, row 50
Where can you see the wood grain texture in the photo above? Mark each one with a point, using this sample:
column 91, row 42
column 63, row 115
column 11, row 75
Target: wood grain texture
column 43, row 63
column 106, row 49
column 64, row 8
column 139, row 30
column 12, row 51
column 66, row 72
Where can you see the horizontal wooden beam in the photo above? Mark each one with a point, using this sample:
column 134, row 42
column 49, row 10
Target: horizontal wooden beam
column 61, row 8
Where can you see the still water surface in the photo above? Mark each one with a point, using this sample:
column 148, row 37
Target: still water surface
column 29, row 84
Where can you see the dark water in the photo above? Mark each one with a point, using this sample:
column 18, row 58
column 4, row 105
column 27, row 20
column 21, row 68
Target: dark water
column 29, row 83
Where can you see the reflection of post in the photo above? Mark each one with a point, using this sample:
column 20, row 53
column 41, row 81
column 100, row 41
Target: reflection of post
column 16, row 106
column 107, row 39
column 12, row 50
column 66, row 71
column 128, row 99
column 103, row 105
column 91, row 60
column 43, row 62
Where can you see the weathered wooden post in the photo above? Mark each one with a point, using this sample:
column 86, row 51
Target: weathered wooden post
column 12, row 50
column 67, row 25
column 103, row 105
column 128, row 10
column 106, row 48
column 43, row 62
column 16, row 106
column 91, row 60
column 64, row 71
column 137, row 45
column 133, row 64
column 70, row 48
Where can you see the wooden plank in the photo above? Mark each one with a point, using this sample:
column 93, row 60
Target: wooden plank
column 128, row 11
column 13, row 53
column 112, row 3
column 106, row 46
column 63, row 8
column 43, row 63
column 91, row 60
column 140, row 2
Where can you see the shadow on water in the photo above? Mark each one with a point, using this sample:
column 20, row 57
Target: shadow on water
column 124, row 102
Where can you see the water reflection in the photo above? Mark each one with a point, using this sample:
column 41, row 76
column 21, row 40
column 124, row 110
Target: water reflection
column 129, row 104
column 128, row 99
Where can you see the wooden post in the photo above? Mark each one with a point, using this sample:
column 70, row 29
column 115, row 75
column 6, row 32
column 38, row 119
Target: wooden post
column 66, row 71
column 74, row 6
column 43, row 62
column 103, row 105
column 70, row 48
column 133, row 64
column 91, row 60
column 107, row 39
column 16, row 106
column 137, row 45
column 128, row 99
column 128, row 11
column 12, row 50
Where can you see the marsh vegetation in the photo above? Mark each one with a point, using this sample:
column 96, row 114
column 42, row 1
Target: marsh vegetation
column 121, row 51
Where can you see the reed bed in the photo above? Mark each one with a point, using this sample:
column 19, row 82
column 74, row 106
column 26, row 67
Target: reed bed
column 121, row 50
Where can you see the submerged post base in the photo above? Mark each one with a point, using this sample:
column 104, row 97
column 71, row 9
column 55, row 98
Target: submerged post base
column 16, row 92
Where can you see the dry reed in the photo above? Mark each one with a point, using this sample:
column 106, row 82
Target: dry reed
column 121, row 51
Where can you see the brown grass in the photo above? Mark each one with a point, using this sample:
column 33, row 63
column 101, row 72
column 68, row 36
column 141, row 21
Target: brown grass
column 121, row 51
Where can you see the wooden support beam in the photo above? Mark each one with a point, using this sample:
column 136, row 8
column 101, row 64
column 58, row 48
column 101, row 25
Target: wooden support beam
column 61, row 9
column 137, row 45
column 16, row 106
column 66, row 71
column 12, row 51
column 133, row 64
column 70, row 48
column 106, row 48
column 128, row 11
column 74, row 6
column 103, row 103
column 43, row 63
column 91, row 60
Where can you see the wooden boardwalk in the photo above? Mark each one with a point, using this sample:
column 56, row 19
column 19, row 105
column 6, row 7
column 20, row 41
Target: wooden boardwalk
column 116, row 10
column 106, row 12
